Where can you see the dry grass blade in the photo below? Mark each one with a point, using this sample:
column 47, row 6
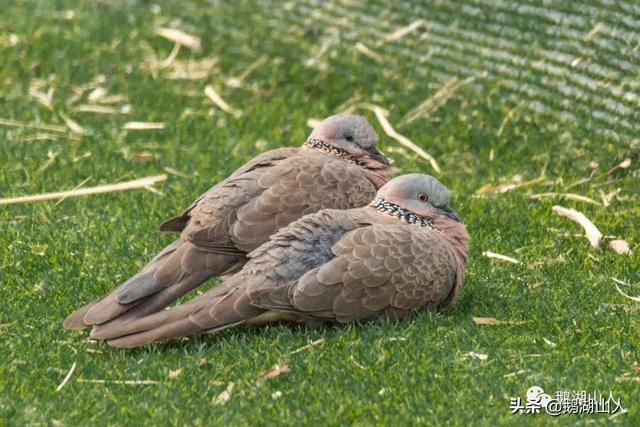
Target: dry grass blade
column 595, row 30
column 220, row 103
column 44, row 98
column 276, row 371
column 43, row 127
column 500, row 257
column 174, row 373
column 391, row 132
column 67, row 377
column 120, row 382
column 568, row 196
column 97, row 94
column 9, row 40
column 626, row 377
column 494, row 321
column 505, row 187
column 109, row 188
column 618, row 281
column 312, row 123
column 620, row 247
column 311, row 344
column 172, row 56
column 187, row 40
column 112, row 99
column 403, row 31
column 333, row 37
column 479, row 356
column 51, row 137
column 224, row 397
column 622, row 165
column 237, row 81
column 99, row 109
column 593, row 234
column 143, row 126
column 176, row 172
column 363, row 49
column 508, row 118
column 607, row 198
column 192, row 69
column 72, row 124
column 432, row 103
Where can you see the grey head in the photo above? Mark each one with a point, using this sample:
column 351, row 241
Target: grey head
column 347, row 133
column 419, row 194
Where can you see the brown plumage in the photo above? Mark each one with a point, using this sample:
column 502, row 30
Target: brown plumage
column 405, row 251
column 338, row 167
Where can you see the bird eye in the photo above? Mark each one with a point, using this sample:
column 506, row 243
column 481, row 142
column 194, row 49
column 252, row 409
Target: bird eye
column 423, row 197
column 349, row 138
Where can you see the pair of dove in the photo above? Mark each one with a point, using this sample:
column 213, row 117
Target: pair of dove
column 313, row 234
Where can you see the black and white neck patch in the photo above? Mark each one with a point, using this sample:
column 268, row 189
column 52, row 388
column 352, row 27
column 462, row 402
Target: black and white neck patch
column 318, row 144
column 406, row 215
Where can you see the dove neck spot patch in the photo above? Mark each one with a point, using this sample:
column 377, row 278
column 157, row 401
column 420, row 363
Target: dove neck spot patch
column 318, row 144
column 398, row 211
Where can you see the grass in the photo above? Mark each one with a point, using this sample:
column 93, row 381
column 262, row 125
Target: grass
column 578, row 332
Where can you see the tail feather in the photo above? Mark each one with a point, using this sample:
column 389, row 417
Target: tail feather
column 75, row 320
column 125, row 325
column 178, row 269
column 179, row 328
column 210, row 311
column 113, row 330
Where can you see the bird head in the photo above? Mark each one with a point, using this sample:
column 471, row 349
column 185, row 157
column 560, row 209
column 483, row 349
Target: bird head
column 420, row 194
column 347, row 133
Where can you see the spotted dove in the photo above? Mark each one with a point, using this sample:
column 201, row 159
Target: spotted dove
column 405, row 251
column 337, row 167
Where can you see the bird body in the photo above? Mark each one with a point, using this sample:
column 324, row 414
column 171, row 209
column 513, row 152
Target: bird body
column 338, row 167
column 394, row 256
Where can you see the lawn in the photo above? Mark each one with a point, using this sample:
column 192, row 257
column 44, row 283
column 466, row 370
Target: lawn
column 517, row 99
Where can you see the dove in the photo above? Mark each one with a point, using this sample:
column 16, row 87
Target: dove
column 405, row 251
column 337, row 167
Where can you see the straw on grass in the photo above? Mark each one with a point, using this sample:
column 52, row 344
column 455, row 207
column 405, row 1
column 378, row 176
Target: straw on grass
column 568, row 196
column 434, row 102
column 363, row 49
column 109, row 188
column 122, row 382
column 143, row 126
column 67, row 377
column 220, row 103
column 391, row 132
column 500, row 257
column 403, row 31
column 43, row 127
column 177, row 36
column 593, row 234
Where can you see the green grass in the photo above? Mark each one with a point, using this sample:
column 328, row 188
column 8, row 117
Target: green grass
column 56, row 256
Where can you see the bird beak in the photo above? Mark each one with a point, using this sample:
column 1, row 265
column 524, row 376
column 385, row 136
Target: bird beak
column 375, row 154
column 448, row 212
